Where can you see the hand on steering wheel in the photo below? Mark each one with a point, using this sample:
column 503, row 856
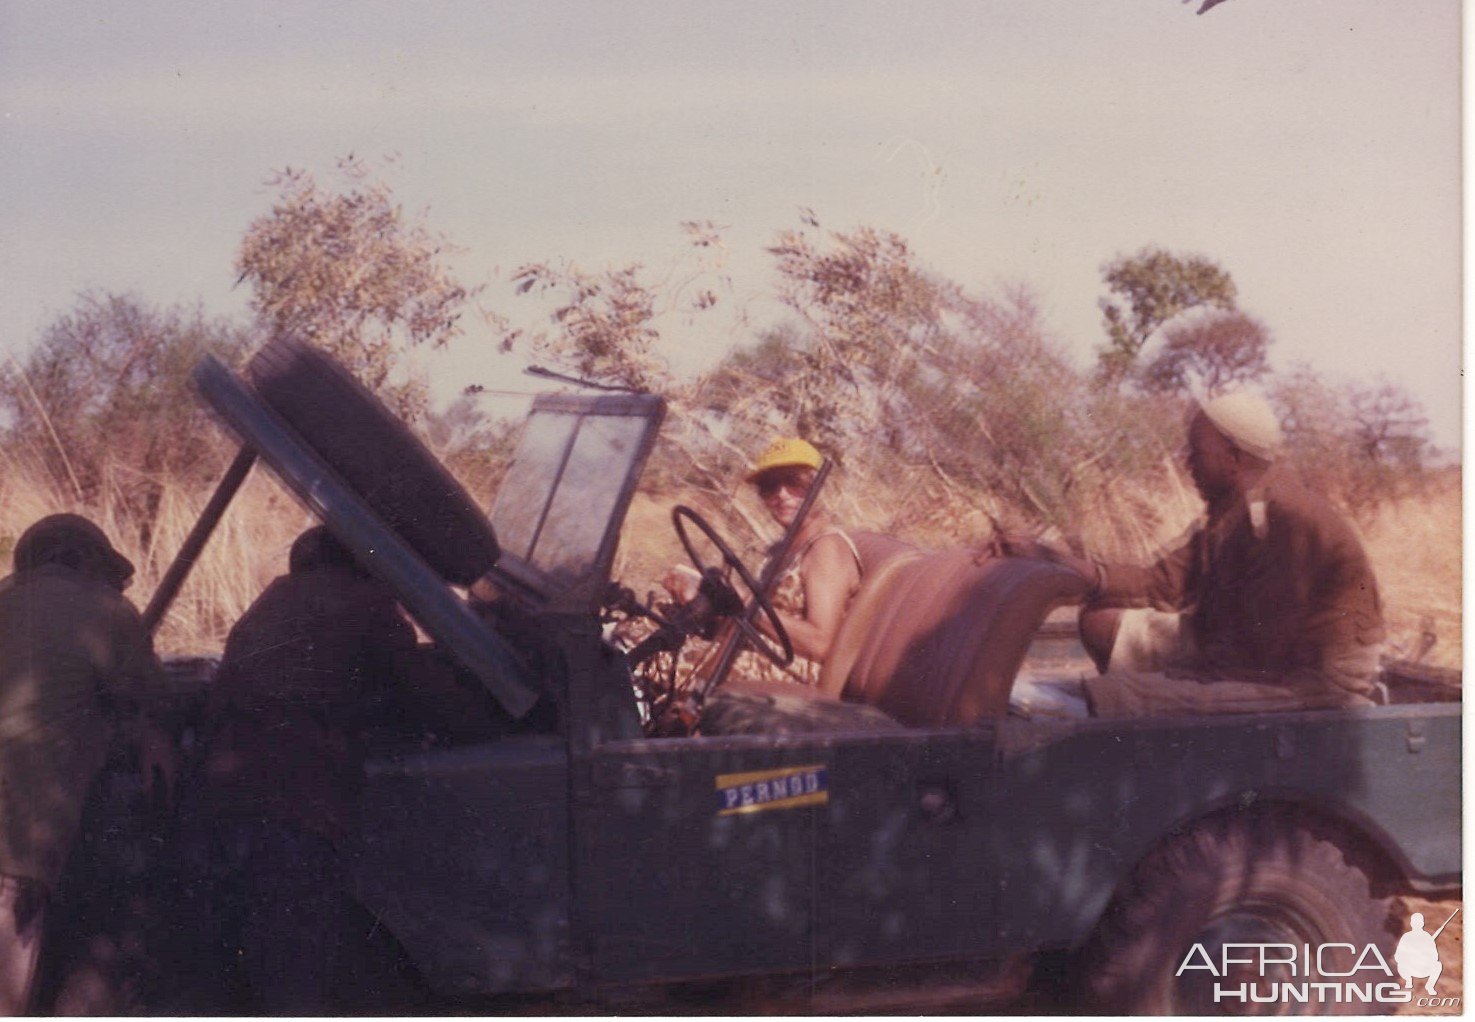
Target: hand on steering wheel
column 781, row 652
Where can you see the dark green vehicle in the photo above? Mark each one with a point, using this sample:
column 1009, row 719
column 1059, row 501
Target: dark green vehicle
column 918, row 843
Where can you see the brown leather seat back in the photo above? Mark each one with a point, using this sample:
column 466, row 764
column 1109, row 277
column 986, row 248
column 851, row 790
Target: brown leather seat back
column 935, row 639
column 877, row 549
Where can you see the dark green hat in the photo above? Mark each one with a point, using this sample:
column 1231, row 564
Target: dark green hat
column 74, row 542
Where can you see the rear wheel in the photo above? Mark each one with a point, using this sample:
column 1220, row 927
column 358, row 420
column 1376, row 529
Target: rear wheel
column 1240, row 880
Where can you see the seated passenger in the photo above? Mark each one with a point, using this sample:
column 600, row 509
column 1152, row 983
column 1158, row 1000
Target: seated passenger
column 283, row 768
column 1269, row 604
column 822, row 571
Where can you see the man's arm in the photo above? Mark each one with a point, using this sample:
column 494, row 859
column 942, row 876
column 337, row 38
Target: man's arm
column 133, row 675
column 1163, row 584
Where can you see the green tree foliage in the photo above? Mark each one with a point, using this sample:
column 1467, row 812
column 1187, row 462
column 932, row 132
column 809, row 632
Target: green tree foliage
column 1214, row 351
column 1146, row 291
column 104, row 400
column 350, row 271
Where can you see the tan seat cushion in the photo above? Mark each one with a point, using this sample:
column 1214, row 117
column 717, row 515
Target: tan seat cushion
column 935, row 639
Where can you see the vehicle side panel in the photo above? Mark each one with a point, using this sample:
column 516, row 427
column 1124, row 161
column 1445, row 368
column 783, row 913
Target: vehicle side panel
column 903, row 858
column 464, row 857
column 888, row 865
column 685, row 888
column 1086, row 803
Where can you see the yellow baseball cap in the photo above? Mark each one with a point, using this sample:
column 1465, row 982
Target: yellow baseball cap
column 786, row 452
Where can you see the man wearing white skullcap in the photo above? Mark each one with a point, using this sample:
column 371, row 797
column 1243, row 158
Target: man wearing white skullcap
column 1247, row 422
column 1268, row 604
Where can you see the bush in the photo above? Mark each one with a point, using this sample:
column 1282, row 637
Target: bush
column 104, row 407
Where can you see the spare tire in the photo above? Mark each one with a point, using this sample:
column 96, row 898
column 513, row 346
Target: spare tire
column 376, row 454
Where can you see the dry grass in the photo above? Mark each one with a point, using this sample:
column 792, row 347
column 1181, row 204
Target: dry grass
column 1416, row 547
column 248, row 549
column 1415, row 544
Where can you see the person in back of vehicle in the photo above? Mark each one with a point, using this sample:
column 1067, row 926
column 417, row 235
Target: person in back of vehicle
column 77, row 674
column 1268, row 604
column 303, row 671
column 823, row 569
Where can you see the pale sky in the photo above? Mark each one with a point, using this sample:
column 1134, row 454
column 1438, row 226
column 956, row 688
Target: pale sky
column 1310, row 147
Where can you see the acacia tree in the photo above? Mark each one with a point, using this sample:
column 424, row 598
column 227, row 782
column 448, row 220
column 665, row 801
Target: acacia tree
column 605, row 327
column 1390, row 427
column 1364, row 443
column 948, row 412
column 956, row 403
column 350, row 271
column 1147, row 290
column 1215, row 351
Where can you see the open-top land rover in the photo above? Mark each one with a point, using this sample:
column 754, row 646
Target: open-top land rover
column 914, row 843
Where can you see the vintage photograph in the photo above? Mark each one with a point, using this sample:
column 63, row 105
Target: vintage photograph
column 679, row 508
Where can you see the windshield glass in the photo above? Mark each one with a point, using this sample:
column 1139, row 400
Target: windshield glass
column 574, row 464
column 530, row 482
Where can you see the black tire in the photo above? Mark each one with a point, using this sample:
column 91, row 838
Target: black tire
column 377, row 456
column 1260, row 878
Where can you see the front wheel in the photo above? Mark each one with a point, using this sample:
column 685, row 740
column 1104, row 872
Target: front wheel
column 1186, row 934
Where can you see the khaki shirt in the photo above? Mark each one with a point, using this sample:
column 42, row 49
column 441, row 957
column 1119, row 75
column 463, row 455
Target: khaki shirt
column 1276, row 584
column 74, row 659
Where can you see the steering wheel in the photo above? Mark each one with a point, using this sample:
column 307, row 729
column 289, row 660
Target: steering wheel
column 781, row 653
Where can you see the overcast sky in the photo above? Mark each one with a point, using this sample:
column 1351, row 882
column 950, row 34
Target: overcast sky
column 1311, row 147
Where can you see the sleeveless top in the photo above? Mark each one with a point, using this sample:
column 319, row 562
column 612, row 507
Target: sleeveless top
column 788, row 596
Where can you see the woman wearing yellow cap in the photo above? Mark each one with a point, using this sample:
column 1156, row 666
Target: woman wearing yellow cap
column 823, row 569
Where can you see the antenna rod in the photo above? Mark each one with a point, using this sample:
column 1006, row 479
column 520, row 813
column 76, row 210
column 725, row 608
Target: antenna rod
column 549, row 374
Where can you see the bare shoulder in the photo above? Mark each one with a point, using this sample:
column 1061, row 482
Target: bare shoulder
column 832, row 551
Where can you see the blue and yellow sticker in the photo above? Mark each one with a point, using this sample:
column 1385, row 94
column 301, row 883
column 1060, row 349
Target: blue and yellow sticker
column 761, row 790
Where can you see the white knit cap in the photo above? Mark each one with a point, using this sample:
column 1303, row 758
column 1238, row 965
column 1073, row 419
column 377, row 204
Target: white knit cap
column 1247, row 421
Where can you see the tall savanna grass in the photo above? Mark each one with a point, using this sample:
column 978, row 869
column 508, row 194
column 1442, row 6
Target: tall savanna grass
column 247, row 550
column 1414, row 542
